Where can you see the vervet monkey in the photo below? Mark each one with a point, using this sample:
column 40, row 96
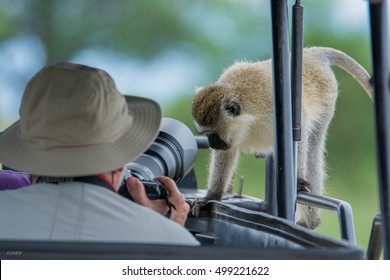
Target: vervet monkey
column 237, row 115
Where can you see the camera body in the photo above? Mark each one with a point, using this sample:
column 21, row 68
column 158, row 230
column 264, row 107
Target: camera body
column 153, row 188
column 172, row 154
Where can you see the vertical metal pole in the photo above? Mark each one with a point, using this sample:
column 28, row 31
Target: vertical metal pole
column 296, row 80
column 270, row 186
column 380, row 59
column 283, row 155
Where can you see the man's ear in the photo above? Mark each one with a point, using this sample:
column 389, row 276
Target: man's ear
column 120, row 169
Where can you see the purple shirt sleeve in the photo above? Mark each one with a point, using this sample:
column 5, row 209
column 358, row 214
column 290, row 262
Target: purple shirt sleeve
column 11, row 180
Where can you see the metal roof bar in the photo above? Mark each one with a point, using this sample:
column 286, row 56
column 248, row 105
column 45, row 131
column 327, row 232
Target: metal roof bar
column 283, row 155
column 381, row 77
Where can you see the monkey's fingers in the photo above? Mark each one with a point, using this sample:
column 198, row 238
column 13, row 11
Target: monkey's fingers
column 197, row 205
column 303, row 186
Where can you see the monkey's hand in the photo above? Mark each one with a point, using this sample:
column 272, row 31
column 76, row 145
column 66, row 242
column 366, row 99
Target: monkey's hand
column 309, row 216
column 199, row 203
column 303, row 186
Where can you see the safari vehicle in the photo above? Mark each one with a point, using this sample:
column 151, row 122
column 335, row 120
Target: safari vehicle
column 244, row 227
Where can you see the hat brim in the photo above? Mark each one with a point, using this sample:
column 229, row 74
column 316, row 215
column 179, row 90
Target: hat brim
column 81, row 161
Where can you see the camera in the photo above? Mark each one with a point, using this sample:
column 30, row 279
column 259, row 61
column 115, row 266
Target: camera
column 172, row 154
column 153, row 188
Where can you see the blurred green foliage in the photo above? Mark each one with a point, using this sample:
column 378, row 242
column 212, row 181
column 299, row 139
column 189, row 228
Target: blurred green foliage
column 217, row 33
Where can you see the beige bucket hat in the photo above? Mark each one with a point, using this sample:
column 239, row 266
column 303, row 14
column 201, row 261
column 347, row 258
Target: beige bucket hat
column 75, row 122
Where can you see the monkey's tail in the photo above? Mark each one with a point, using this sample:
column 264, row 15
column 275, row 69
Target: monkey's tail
column 350, row 65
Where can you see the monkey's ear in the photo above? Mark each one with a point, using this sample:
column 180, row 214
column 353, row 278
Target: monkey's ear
column 232, row 107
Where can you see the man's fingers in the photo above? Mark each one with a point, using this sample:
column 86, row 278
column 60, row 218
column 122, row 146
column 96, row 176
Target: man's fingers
column 179, row 214
column 137, row 191
column 170, row 185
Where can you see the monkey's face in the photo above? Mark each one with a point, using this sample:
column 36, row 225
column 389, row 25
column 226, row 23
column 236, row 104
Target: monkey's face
column 218, row 115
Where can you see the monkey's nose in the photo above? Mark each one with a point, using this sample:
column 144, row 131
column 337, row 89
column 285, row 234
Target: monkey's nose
column 216, row 142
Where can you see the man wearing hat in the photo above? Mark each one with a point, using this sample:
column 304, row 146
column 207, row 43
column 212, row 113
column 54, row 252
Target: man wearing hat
column 75, row 135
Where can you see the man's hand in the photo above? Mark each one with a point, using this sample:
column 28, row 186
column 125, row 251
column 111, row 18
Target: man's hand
column 137, row 192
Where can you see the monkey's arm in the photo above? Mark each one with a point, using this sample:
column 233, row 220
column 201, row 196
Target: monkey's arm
column 222, row 167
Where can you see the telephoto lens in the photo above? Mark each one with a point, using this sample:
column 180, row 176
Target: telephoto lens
column 172, row 154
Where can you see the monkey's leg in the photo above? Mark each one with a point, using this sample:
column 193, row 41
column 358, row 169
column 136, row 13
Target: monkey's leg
column 303, row 150
column 301, row 214
column 222, row 167
column 316, row 172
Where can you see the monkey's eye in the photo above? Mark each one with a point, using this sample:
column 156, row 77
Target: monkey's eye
column 233, row 108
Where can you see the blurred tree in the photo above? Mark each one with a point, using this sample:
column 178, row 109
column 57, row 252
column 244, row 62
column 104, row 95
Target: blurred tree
column 140, row 28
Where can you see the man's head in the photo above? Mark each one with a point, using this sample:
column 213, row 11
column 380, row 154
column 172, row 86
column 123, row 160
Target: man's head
column 74, row 122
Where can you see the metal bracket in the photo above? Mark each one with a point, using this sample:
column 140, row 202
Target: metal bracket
column 343, row 209
column 375, row 245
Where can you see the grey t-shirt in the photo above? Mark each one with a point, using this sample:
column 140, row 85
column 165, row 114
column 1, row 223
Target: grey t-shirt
column 83, row 212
